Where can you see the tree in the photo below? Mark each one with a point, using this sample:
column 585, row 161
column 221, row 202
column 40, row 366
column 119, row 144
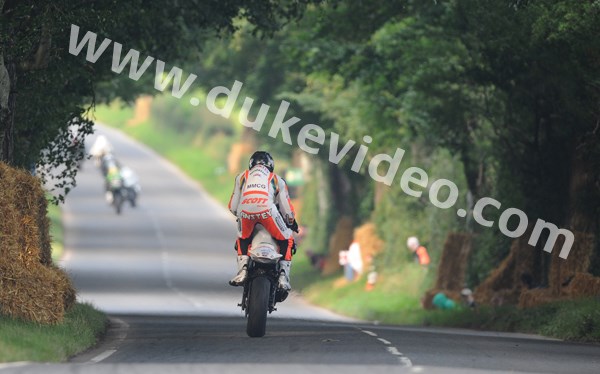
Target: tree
column 510, row 88
column 45, row 92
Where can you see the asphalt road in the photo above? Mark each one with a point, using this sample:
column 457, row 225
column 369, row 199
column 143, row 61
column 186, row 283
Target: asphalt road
column 161, row 271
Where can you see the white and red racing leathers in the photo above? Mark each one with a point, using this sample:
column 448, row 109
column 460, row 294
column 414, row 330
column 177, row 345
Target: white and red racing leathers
column 255, row 198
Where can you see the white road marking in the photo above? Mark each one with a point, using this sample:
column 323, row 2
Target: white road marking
column 122, row 334
column 394, row 351
column 369, row 332
column 165, row 269
column 402, row 359
column 102, row 356
column 165, row 263
column 164, row 254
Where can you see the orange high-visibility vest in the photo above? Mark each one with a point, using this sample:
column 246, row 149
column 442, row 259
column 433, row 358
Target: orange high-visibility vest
column 423, row 256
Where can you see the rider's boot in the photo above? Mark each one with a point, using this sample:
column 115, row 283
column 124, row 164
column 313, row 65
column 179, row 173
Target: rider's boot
column 240, row 278
column 284, row 275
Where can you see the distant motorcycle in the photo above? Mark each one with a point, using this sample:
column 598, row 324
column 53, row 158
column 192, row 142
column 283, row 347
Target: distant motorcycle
column 122, row 185
column 118, row 194
column 260, row 289
column 131, row 184
column 99, row 149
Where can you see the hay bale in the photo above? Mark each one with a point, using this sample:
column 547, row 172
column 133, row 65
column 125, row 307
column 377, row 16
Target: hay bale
column 25, row 202
column 31, row 287
column 566, row 279
column 369, row 241
column 65, row 287
column 580, row 285
column 240, row 152
column 561, row 270
column 500, row 287
column 583, row 285
column 9, row 219
column 339, row 241
column 537, row 296
column 453, row 263
column 41, row 294
column 141, row 111
column 451, row 269
column 504, row 285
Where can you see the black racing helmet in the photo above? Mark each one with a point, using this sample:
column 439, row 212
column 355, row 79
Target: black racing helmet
column 262, row 158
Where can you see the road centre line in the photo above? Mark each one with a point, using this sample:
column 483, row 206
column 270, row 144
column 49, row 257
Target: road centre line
column 369, row 332
column 165, row 262
column 394, row 351
column 402, row 359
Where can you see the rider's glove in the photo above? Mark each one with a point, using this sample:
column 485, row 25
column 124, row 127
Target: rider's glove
column 294, row 226
column 294, row 248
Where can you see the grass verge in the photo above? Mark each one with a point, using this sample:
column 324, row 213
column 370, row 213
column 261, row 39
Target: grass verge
column 577, row 320
column 396, row 300
column 28, row 341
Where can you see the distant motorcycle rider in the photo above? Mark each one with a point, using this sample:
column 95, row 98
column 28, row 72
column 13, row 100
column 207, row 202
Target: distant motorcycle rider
column 261, row 196
column 113, row 182
column 100, row 148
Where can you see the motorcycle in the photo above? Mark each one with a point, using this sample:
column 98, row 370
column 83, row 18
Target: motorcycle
column 131, row 185
column 122, row 188
column 117, row 194
column 261, row 293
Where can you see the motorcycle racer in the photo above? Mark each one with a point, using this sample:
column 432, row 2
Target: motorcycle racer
column 261, row 197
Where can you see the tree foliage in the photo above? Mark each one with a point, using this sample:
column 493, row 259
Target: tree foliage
column 49, row 91
column 509, row 88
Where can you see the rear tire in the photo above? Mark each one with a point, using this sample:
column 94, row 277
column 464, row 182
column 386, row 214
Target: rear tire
column 132, row 196
column 258, row 307
column 118, row 201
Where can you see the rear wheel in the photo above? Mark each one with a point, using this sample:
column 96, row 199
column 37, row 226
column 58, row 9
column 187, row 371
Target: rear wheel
column 132, row 195
column 258, row 306
column 118, row 201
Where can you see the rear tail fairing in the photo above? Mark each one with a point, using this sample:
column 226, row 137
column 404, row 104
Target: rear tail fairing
column 263, row 249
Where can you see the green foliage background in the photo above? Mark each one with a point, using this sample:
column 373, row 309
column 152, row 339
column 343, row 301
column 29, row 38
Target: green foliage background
column 500, row 98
